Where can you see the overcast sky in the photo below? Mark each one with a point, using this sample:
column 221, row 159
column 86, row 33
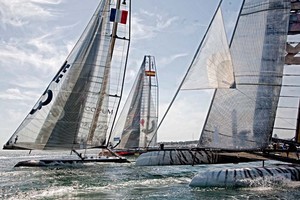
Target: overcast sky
column 37, row 35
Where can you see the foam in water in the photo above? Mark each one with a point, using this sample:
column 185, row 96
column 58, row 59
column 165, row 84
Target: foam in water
column 255, row 176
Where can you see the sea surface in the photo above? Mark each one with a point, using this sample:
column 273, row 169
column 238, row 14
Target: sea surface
column 122, row 181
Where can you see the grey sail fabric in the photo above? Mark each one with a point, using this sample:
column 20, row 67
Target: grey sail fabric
column 78, row 107
column 212, row 65
column 138, row 120
column 243, row 118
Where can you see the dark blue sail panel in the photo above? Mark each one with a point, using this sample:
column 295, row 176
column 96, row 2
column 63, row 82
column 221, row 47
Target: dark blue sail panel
column 243, row 118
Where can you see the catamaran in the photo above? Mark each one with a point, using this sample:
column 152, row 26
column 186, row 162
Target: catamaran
column 78, row 109
column 135, row 129
column 260, row 80
column 211, row 68
column 246, row 75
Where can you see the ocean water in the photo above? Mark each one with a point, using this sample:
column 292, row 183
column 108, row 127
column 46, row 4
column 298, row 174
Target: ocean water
column 122, row 181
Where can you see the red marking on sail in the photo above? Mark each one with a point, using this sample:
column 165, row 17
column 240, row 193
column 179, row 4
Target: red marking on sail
column 142, row 122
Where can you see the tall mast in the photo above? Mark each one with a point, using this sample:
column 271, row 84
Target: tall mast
column 105, row 76
column 297, row 135
column 148, row 100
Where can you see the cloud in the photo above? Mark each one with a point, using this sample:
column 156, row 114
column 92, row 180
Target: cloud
column 147, row 25
column 29, row 82
column 164, row 61
column 30, row 52
column 16, row 94
column 36, row 46
column 19, row 12
column 14, row 56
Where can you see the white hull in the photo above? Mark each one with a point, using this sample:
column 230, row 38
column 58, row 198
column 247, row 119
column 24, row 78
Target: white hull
column 246, row 176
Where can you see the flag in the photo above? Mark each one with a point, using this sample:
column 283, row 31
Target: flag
column 150, row 73
column 118, row 16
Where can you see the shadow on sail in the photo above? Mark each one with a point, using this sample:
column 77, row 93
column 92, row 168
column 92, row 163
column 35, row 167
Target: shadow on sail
column 78, row 108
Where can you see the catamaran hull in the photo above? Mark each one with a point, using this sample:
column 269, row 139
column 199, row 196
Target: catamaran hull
column 191, row 157
column 253, row 176
column 69, row 162
column 176, row 157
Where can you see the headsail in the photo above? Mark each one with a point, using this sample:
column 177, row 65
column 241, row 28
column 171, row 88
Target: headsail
column 138, row 120
column 210, row 68
column 79, row 106
column 244, row 118
column 212, row 65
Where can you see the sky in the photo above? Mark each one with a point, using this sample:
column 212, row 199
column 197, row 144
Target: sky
column 37, row 35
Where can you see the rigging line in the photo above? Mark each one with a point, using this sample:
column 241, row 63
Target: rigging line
column 229, row 136
column 259, row 84
column 297, row 132
column 291, row 75
column 263, row 10
column 125, row 67
column 107, row 70
column 250, row 97
column 282, row 118
column 148, row 106
column 290, row 86
column 286, row 96
column 287, row 107
column 189, row 68
column 288, row 129
column 215, row 90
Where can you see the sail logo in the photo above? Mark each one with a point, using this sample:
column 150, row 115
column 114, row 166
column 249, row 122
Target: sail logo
column 94, row 109
column 61, row 72
column 48, row 94
column 99, row 126
column 44, row 101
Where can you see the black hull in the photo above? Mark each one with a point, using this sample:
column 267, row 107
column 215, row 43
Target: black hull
column 193, row 157
column 69, row 162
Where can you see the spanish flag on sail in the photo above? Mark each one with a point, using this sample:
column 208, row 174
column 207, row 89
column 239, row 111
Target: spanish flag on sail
column 118, row 16
column 150, row 73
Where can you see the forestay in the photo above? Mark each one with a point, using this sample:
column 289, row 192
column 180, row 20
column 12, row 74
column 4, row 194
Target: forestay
column 210, row 68
column 243, row 118
column 78, row 107
column 212, row 65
